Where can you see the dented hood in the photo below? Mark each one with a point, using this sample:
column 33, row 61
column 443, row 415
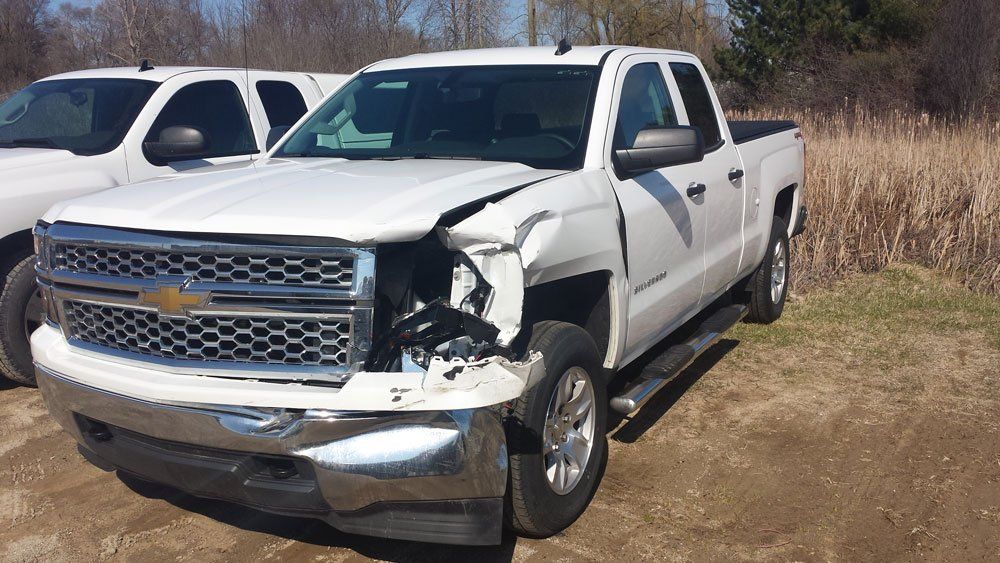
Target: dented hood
column 358, row 201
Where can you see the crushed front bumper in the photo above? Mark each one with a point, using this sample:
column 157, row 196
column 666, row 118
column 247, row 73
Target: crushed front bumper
column 436, row 476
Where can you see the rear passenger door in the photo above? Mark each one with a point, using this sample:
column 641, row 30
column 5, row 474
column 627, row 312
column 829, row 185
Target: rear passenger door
column 664, row 227
column 723, row 197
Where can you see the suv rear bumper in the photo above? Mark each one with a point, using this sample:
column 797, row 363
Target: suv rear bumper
column 436, row 476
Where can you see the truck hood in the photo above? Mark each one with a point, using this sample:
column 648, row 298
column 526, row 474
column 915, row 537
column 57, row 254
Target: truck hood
column 19, row 158
column 358, row 201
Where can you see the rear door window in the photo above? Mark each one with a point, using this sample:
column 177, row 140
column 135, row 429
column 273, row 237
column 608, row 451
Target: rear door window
column 282, row 101
column 697, row 102
column 216, row 109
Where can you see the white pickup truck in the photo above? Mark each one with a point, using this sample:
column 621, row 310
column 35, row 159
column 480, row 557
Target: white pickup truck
column 76, row 133
column 404, row 319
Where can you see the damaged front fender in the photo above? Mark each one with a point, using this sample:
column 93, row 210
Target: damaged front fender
column 489, row 240
column 454, row 352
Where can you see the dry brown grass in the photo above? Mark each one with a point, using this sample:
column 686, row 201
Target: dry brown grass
column 899, row 188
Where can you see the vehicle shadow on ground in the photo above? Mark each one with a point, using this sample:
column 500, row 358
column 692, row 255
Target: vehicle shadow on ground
column 631, row 428
column 317, row 533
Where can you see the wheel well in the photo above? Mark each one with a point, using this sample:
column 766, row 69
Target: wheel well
column 582, row 300
column 13, row 247
column 783, row 205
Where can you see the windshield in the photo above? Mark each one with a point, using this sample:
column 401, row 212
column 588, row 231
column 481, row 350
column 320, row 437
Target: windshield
column 536, row 115
column 86, row 116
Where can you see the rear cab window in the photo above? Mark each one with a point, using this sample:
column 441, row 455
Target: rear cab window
column 698, row 103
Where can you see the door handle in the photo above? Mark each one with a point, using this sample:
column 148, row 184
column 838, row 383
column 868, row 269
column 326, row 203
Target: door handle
column 695, row 190
column 735, row 174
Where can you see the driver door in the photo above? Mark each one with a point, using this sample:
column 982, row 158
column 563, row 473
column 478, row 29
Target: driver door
column 214, row 103
column 664, row 225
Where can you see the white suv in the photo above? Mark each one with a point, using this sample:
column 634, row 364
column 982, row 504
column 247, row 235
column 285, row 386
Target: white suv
column 76, row 133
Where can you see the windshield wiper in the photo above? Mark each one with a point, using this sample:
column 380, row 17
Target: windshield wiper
column 389, row 157
column 425, row 156
column 38, row 142
column 307, row 154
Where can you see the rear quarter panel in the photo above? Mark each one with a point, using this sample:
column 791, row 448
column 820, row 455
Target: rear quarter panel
column 771, row 164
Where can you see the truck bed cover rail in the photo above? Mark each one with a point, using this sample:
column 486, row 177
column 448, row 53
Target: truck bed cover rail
column 745, row 131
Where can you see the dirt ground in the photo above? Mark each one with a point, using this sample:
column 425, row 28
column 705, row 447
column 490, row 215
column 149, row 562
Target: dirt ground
column 865, row 425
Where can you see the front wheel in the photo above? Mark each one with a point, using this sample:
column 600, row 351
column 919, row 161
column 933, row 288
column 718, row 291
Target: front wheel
column 769, row 284
column 20, row 314
column 556, row 434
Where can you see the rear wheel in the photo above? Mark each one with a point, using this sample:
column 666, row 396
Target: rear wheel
column 21, row 312
column 769, row 285
column 556, row 433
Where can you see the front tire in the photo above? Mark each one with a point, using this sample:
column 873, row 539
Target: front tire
column 769, row 284
column 20, row 314
column 556, row 434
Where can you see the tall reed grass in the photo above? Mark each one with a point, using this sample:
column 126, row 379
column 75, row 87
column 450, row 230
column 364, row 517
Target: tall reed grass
column 898, row 188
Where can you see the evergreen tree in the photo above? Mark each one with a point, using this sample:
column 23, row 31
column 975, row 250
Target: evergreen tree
column 771, row 37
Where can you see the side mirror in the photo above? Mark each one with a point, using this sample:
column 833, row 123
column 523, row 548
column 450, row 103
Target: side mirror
column 658, row 147
column 275, row 135
column 177, row 143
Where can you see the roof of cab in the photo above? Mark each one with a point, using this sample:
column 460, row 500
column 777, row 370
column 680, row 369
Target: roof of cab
column 584, row 56
column 157, row 74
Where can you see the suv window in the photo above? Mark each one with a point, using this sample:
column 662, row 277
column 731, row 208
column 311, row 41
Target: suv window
column 697, row 102
column 215, row 108
column 83, row 115
column 644, row 103
column 282, row 102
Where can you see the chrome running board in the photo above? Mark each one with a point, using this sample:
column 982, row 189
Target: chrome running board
column 665, row 367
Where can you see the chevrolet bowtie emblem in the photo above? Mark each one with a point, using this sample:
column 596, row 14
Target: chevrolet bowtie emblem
column 171, row 299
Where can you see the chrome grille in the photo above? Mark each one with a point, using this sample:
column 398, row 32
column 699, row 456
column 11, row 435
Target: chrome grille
column 212, row 337
column 286, row 269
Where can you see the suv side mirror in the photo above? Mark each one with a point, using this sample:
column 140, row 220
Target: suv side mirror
column 275, row 135
column 177, row 143
column 657, row 147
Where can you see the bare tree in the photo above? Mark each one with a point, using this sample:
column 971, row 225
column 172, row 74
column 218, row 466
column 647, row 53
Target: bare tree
column 962, row 54
column 467, row 24
column 387, row 16
column 23, row 46
column 691, row 25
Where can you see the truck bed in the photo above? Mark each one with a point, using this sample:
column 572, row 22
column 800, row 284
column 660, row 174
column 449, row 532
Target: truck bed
column 744, row 131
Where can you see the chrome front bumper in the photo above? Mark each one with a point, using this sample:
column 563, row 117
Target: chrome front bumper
column 426, row 476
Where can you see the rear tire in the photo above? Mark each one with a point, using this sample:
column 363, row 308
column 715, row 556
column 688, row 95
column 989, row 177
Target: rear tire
column 548, row 430
column 769, row 284
column 20, row 313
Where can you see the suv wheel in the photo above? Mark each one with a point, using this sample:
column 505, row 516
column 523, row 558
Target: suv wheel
column 21, row 313
column 556, row 434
